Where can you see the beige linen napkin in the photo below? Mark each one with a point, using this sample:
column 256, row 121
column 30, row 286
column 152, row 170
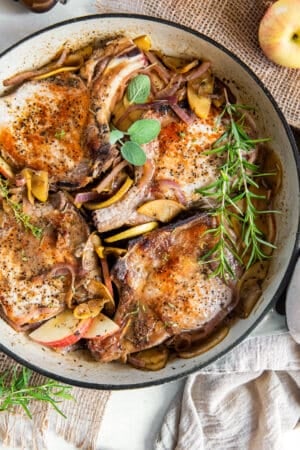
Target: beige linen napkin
column 232, row 23
column 245, row 401
column 80, row 428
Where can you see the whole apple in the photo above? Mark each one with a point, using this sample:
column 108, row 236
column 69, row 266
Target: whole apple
column 279, row 33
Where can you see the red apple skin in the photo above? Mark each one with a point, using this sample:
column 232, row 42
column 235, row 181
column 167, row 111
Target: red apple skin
column 73, row 338
column 279, row 33
column 75, row 334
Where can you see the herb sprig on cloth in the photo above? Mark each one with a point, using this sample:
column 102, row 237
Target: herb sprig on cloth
column 235, row 185
column 15, row 389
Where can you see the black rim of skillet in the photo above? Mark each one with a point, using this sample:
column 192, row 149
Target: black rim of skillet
column 293, row 258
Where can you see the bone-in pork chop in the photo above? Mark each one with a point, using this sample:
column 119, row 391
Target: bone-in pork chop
column 42, row 125
column 182, row 156
column 34, row 282
column 165, row 290
column 179, row 158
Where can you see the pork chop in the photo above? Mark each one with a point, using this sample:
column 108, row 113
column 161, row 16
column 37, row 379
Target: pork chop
column 182, row 157
column 177, row 156
column 42, row 126
column 35, row 273
column 165, row 290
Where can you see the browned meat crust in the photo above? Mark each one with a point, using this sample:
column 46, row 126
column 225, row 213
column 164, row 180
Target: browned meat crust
column 165, row 290
column 42, row 126
column 34, row 282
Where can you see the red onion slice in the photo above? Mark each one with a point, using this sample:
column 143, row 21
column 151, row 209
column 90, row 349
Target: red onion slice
column 198, row 71
column 109, row 178
column 182, row 114
column 19, row 78
column 159, row 67
column 65, row 269
column 164, row 185
column 84, row 197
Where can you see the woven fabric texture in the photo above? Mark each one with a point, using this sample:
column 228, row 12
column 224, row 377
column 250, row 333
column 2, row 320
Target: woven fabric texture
column 81, row 426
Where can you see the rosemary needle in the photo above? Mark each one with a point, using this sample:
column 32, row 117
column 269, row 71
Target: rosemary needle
column 236, row 182
column 15, row 389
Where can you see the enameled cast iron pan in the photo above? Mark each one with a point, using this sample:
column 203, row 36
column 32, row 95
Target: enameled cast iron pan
column 35, row 51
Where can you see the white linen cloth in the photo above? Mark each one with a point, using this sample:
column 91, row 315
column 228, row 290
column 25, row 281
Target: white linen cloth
column 247, row 400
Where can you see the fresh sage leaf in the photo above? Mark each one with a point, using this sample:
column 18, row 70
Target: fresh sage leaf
column 115, row 136
column 138, row 89
column 144, row 130
column 133, row 153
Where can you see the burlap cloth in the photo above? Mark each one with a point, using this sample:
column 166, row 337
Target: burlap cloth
column 81, row 427
column 234, row 24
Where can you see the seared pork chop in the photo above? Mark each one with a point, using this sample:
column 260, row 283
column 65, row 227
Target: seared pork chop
column 177, row 156
column 182, row 158
column 35, row 273
column 42, row 127
column 165, row 290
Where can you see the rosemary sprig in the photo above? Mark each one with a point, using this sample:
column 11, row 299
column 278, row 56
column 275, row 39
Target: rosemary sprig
column 15, row 389
column 235, row 184
column 20, row 216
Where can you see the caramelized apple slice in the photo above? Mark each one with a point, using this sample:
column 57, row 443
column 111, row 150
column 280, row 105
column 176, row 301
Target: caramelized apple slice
column 5, row 169
column 151, row 359
column 101, row 327
column 163, row 210
column 132, row 232
column 62, row 330
column 143, row 42
column 115, row 198
column 199, row 104
column 40, row 185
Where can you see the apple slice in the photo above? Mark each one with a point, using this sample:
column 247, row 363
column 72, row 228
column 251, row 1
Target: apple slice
column 62, row 330
column 101, row 327
column 5, row 169
column 161, row 209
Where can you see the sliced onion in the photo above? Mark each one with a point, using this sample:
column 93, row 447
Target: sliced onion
column 159, row 67
column 198, row 71
column 172, row 87
column 109, row 178
column 114, row 199
column 164, row 185
column 89, row 259
column 147, row 174
column 84, row 197
column 65, row 269
column 19, row 78
column 62, row 269
column 167, row 100
column 106, row 275
column 182, row 114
